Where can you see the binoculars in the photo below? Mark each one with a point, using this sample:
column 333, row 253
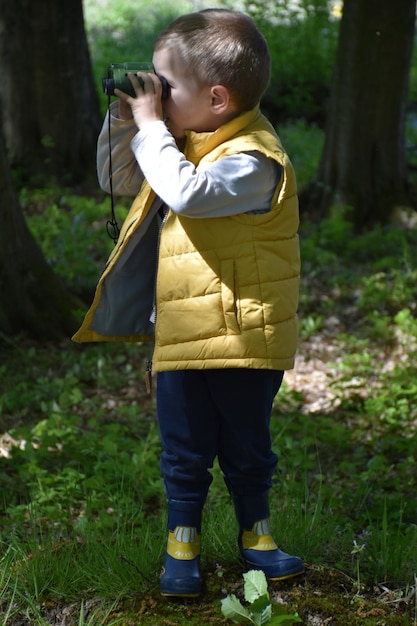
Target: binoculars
column 117, row 78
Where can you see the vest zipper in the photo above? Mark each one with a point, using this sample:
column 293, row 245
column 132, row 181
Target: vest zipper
column 148, row 370
column 163, row 215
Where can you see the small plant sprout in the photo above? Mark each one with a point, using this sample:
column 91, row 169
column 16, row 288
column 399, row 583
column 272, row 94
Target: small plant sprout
column 356, row 551
column 260, row 609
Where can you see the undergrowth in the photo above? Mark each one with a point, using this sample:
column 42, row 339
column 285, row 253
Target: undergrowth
column 82, row 505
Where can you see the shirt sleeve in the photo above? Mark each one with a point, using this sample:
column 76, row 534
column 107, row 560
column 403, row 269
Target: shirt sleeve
column 127, row 177
column 239, row 183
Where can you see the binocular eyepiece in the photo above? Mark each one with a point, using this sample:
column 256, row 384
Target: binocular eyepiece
column 117, row 78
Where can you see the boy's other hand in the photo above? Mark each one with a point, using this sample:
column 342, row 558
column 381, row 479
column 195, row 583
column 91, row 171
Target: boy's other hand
column 147, row 105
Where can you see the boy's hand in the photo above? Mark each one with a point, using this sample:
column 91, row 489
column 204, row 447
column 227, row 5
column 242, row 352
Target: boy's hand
column 147, row 105
column 125, row 111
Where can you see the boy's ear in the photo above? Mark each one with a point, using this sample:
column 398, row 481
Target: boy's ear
column 220, row 99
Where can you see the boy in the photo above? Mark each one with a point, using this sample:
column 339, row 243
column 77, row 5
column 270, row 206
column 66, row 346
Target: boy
column 207, row 263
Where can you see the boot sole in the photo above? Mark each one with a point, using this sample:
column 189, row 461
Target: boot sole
column 286, row 576
column 264, row 568
column 166, row 594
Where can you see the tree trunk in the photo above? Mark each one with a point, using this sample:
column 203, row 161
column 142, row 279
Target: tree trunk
column 33, row 299
column 51, row 115
column 363, row 163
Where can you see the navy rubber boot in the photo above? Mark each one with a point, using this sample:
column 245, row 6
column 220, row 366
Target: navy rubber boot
column 181, row 571
column 257, row 547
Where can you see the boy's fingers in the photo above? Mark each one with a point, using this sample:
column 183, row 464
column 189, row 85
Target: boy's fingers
column 137, row 84
column 151, row 82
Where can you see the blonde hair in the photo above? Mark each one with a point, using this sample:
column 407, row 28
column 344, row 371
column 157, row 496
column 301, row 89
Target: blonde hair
column 221, row 47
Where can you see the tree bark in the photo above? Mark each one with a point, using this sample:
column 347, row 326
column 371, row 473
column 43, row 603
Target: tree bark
column 33, row 299
column 51, row 115
column 363, row 162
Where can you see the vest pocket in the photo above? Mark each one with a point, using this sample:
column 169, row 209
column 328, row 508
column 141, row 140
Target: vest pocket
column 228, row 293
column 206, row 309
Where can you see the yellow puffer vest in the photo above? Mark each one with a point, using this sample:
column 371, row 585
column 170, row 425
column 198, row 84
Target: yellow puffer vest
column 226, row 288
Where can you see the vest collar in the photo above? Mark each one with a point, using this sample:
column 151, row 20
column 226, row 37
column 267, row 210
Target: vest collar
column 200, row 144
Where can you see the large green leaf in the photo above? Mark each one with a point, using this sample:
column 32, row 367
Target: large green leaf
column 233, row 609
column 256, row 585
column 262, row 617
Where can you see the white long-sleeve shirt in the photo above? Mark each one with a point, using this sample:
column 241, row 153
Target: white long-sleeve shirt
column 239, row 183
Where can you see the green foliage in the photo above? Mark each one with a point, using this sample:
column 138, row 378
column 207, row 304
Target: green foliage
column 301, row 72
column 121, row 31
column 303, row 142
column 260, row 609
column 98, row 617
column 76, row 457
column 358, row 456
column 71, row 232
column 382, row 258
column 79, row 477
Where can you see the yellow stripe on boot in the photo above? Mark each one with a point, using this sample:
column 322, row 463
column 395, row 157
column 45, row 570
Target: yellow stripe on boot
column 259, row 538
column 184, row 543
column 259, row 551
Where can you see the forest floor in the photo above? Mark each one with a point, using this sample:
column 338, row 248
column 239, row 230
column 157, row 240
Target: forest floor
column 321, row 597
column 324, row 596
column 354, row 379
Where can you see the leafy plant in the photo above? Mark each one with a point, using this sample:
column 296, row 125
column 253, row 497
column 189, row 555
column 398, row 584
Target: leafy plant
column 260, row 610
column 303, row 142
column 71, row 233
column 300, row 75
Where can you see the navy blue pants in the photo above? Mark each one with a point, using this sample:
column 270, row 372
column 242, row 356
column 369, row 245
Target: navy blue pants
column 225, row 413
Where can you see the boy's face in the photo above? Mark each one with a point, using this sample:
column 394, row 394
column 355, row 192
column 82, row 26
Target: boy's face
column 188, row 106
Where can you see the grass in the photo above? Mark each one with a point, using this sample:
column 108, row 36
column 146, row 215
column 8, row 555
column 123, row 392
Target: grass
column 82, row 508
